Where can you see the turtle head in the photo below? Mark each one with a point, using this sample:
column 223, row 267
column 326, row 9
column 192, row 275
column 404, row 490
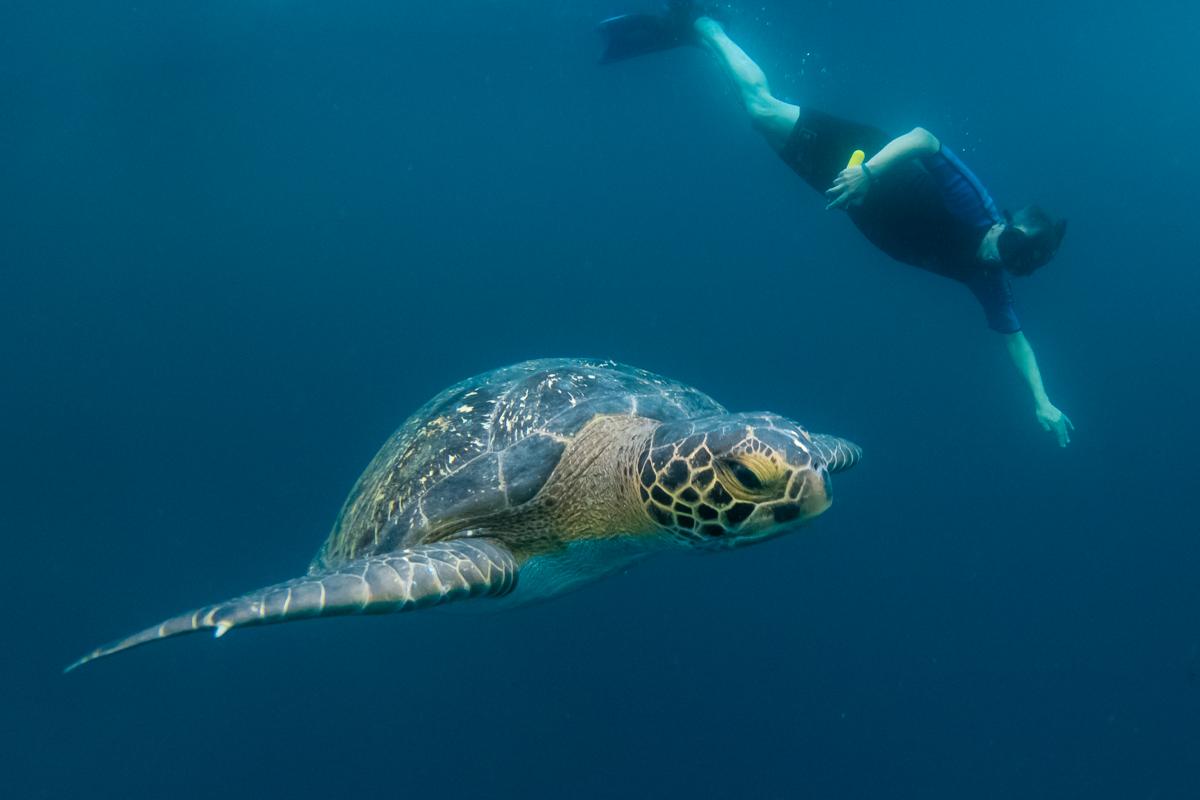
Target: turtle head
column 735, row 479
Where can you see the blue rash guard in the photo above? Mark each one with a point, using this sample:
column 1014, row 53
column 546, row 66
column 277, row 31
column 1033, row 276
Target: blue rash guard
column 930, row 212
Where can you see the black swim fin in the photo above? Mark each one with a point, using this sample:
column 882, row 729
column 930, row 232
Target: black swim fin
column 632, row 35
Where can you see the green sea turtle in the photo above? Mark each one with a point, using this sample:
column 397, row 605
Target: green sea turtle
column 530, row 480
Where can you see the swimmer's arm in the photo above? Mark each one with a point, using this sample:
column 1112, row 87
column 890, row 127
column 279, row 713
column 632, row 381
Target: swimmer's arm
column 853, row 183
column 1025, row 361
column 914, row 144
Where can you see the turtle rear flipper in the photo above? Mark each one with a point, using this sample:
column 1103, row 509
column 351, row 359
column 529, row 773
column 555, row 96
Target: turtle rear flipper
column 406, row 580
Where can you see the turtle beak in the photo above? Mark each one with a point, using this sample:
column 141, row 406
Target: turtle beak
column 815, row 496
column 810, row 488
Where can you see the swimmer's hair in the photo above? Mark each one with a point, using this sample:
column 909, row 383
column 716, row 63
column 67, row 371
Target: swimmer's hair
column 1045, row 235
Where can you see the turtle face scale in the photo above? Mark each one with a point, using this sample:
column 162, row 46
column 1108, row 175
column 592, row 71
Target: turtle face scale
column 730, row 480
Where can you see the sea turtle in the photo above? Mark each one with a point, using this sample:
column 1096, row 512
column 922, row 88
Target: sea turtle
column 532, row 479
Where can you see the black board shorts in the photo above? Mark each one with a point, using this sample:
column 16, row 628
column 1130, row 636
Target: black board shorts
column 820, row 145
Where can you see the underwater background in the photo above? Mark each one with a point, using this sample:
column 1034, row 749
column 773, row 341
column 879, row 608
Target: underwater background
column 241, row 241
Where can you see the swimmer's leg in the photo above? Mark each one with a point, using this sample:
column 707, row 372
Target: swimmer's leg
column 772, row 117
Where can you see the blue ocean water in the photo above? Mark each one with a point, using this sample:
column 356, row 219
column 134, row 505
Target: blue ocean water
column 242, row 241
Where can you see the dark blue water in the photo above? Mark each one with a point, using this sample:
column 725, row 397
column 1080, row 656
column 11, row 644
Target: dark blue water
column 241, row 241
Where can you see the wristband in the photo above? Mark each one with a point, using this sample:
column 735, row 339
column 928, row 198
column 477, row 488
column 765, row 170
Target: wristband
column 867, row 171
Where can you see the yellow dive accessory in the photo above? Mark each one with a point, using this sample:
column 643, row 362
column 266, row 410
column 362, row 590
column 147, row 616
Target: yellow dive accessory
column 856, row 158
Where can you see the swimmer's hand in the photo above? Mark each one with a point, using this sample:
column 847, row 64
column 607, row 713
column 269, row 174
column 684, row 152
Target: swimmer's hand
column 849, row 189
column 1055, row 422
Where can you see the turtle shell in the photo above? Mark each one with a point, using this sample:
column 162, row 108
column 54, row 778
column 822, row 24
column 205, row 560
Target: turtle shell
column 488, row 444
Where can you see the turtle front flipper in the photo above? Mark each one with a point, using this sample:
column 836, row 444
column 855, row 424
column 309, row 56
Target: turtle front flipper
column 406, row 580
column 839, row 455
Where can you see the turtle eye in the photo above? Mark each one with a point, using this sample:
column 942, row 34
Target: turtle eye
column 744, row 475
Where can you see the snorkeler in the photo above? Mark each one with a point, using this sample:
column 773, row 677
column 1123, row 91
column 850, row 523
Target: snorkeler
column 911, row 197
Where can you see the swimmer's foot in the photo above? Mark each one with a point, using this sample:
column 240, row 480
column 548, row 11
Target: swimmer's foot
column 696, row 16
column 706, row 26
